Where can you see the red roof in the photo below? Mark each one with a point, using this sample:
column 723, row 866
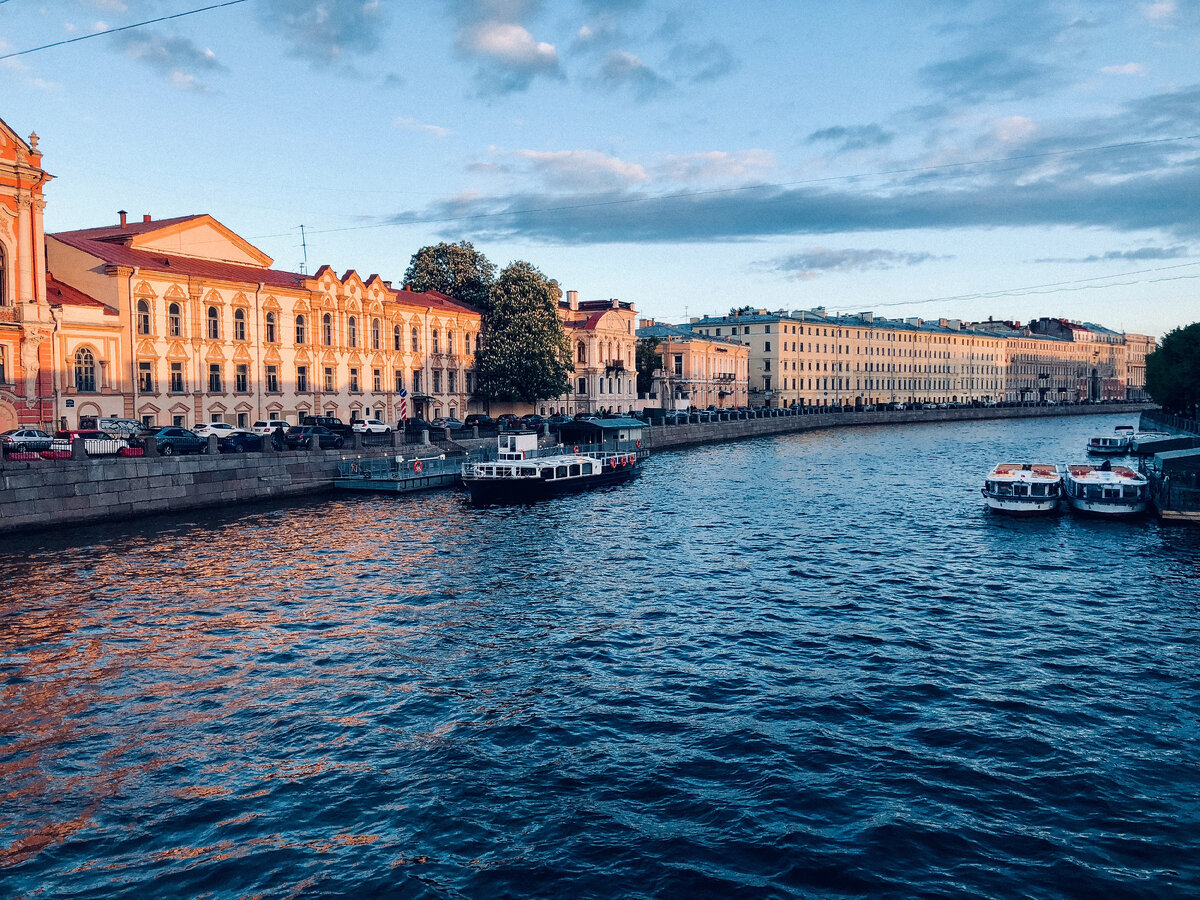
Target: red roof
column 590, row 324
column 59, row 294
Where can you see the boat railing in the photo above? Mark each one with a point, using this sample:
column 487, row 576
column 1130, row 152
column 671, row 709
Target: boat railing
column 413, row 465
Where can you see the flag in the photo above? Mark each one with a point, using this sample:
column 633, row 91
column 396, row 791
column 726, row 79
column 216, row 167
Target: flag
column 403, row 404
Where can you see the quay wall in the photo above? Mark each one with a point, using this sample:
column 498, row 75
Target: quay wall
column 45, row 494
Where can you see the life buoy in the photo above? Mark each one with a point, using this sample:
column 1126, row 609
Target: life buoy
column 612, row 463
column 575, row 450
column 639, row 445
column 418, row 466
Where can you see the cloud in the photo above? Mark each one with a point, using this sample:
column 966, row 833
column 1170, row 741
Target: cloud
column 1127, row 69
column 178, row 60
column 326, row 31
column 493, row 32
column 989, row 75
column 414, row 125
column 1160, row 11
column 699, row 63
column 814, row 262
column 623, row 69
column 717, row 165
column 583, row 170
column 1139, row 255
column 856, row 137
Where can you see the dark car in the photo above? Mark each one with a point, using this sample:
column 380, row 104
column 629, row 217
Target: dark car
column 329, row 423
column 304, row 436
column 171, row 439
column 508, row 421
column 416, row 424
column 532, row 420
column 479, row 419
column 559, row 419
column 240, row 441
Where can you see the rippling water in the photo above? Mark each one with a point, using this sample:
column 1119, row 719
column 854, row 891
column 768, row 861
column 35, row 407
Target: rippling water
column 805, row 665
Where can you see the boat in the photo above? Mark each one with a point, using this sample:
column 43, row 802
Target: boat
column 1115, row 444
column 521, row 473
column 1106, row 490
column 1023, row 489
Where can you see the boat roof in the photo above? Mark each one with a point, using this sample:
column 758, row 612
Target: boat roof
column 1178, row 461
column 607, row 424
column 1099, row 471
column 1036, row 468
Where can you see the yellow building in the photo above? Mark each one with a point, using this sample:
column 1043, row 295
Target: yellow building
column 696, row 371
column 603, row 351
column 1137, row 348
column 205, row 330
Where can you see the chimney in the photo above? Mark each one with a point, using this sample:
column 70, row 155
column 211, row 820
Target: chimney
column 122, row 214
column 573, row 299
column 146, row 218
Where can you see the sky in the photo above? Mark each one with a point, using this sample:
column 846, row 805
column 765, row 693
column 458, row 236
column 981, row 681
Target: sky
column 1008, row 158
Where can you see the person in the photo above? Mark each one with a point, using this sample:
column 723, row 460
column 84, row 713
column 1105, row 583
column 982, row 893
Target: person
column 279, row 438
column 1106, row 466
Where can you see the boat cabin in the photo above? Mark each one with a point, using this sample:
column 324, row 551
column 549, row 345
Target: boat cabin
column 617, row 434
column 515, row 445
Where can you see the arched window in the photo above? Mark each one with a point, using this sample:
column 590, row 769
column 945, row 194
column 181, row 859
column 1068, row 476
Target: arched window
column 214, row 323
column 467, row 343
column 3, row 278
column 416, row 339
column 85, row 370
column 270, row 328
column 396, row 337
column 174, row 320
column 239, row 324
column 300, row 336
column 581, row 353
column 450, row 342
column 143, row 317
column 435, row 340
column 376, row 335
column 327, row 330
column 352, row 331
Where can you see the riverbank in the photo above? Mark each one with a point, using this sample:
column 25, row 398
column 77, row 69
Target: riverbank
column 44, row 494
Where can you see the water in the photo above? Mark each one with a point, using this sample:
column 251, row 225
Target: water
column 811, row 665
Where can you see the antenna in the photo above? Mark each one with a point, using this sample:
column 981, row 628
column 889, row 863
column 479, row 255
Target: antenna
column 304, row 247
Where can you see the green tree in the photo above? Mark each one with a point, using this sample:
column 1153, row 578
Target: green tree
column 525, row 355
column 458, row 270
column 647, row 361
column 1173, row 371
column 743, row 310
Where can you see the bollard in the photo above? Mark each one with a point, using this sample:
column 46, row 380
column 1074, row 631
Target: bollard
column 425, row 436
column 78, row 449
column 149, row 447
column 475, row 432
column 268, row 447
column 356, row 440
column 214, row 448
column 398, row 439
column 446, row 434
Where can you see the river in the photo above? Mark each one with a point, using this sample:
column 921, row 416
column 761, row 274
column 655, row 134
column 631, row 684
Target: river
column 805, row 665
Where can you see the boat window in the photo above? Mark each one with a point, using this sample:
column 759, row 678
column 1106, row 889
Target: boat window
column 547, row 473
column 1005, row 490
column 587, row 468
column 1038, row 490
column 1020, row 490
column 1094, row 492
column 528, row 473
column 575, row 469
column 560, row 472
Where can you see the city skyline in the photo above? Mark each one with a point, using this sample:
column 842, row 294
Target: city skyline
column 991, row 161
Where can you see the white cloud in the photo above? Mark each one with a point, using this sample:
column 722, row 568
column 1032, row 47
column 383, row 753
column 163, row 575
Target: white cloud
column 1126, row 69
column 511, row 45
column 1159, row 11
column 584, row 169
column 414, row 125
column 718, row 164
column 1011, row 129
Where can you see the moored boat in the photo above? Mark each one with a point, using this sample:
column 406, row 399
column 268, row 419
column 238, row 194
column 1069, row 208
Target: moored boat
column 520, row 475
column 1023, row 489
column 1115, row 444
column 1106, row 490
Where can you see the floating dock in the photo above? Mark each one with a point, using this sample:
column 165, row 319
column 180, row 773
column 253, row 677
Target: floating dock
column 399, row 474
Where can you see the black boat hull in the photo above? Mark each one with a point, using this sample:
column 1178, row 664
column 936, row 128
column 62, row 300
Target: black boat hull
column 528, row 490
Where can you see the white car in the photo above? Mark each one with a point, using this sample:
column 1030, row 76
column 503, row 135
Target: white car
column 220, row 429
column 370, row 426
column 269, row 427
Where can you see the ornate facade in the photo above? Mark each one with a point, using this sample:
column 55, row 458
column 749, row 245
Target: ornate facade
column 603, row 351
column 695, row 370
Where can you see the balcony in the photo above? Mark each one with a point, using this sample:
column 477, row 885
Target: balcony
column 614, row 368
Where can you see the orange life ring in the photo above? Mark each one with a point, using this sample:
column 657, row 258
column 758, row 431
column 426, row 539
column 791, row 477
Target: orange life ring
column 418, row 466
column 612, row 463
column 639, row 445
column 576, row 449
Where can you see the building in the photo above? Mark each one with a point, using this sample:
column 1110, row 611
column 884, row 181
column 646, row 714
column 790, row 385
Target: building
column 26, row 320
column 1098, row 356
column 776, row 359
column 603, row 351
column 181, row 321
column 695, row 370
column 1137, row 348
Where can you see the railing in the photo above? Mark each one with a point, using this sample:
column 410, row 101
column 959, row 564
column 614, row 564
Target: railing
column 431, row 465
column 1177, row 423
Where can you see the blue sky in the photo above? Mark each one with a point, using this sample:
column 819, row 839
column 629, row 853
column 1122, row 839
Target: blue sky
column 913, row 158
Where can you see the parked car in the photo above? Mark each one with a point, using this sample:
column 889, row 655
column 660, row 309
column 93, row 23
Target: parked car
column 118, row 426
column 416, row 424
column 26, row 440
column 370, row 426
column 204, row 429
column 559, row 419
column 447, row 422
column 304, row 436
column 171, row 439
column 269, row 426
column 95, row 442
column 479, row 419
column 329, row 423
column 508, row 421
column 240, row 440
column 532, row 420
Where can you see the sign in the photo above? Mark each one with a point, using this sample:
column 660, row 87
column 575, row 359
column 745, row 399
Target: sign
column 70, row 404
column 403, row 404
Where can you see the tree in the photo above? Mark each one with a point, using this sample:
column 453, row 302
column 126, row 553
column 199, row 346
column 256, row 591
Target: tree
column 743, row 310
column 458, row 270
column 647, row 361
column 1173, row 371
column 525, row 356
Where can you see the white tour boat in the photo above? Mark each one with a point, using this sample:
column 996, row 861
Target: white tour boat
column 1023, row 489
column 1107, row 490
column 520, row 475
column 1115, row 444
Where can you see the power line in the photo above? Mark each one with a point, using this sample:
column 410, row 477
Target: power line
column 85, row 37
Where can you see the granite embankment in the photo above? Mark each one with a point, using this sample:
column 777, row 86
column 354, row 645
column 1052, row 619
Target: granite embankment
column 54, row 494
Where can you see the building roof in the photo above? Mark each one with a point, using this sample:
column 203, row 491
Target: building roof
column 661, row 330
column 59, row 294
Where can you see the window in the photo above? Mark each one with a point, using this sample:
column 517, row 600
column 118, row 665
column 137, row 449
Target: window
column 174, row 320
column 450, row 382
column 146, row 377
column 329, row 378
column 143, row 317
column 437, row 380
column 416, row 340
column 177, row 421
column 270, row 328
column 241, row 378
column 470, row 383
column 581, row 388
column 327, row 330
column 416, row 382
column 239, row 324
column 214, row 378
column 85, row 370
column 214, row 324
column 272, row 379
column 3, row 366
column 396, row 337
column 3, row 295
column 301, row 379
column 679, row 364
column 176, row 377
column 300, row 336
column 435, row 340
column 767, row 348
column 352, row 331
column 580, row 352
column 354, row 379
column 450, row 342
column 377, row 380
column 467, row 343
column 243, row 420
column 376, row 334
column 399, row 380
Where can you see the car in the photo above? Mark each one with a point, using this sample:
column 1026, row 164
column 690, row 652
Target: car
column 25, row 440
column 329, row 423
column 204, row 429
column 532, row 420
column 447, row 422
column 478, row 419
column 171, row 439
column 370, row 426
column 559, row 419
column 240, row 440
column 304, row 436
column 95, row 442
column 118, row 426
column 415, row 424
column 508, row 421
column 269, row 426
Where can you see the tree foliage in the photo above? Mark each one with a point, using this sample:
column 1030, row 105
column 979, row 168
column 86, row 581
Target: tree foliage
column 526, row 356
column 1173, row 371
column 647, row 361
column 458, row 270
column 743, row 310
